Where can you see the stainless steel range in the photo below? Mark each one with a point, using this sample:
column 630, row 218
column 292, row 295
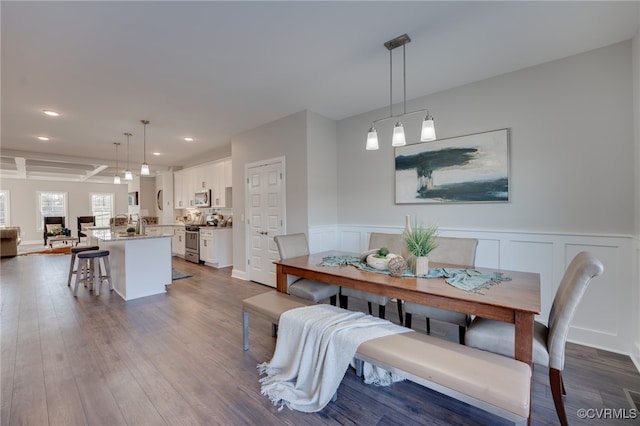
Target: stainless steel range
column 192, row 243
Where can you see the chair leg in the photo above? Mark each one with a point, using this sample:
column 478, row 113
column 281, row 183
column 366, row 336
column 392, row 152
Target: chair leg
column 555, row 380
column 369, row 305
column 428, row 326
column 381, row 311
column 461, row 332
column 407, row 320
column 344, row 301
column 400, row 312
column 333, row 300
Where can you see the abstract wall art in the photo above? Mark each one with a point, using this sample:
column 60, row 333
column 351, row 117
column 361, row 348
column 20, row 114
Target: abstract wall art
column 464, row 169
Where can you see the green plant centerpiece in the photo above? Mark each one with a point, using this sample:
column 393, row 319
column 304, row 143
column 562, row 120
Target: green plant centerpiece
column 131, row 231
column 420, row 240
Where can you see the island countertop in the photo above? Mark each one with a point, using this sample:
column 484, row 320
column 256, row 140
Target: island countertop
column 106, row 235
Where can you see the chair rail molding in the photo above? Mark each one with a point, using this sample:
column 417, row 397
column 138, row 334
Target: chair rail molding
column 607, row 314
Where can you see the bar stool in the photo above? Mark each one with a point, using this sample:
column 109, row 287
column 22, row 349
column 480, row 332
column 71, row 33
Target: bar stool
column 89, row 265
column 74, row 252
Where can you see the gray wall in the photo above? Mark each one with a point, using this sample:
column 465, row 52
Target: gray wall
column 571, row 150
column 322, row 171
column 24, row 202
column 287, row 138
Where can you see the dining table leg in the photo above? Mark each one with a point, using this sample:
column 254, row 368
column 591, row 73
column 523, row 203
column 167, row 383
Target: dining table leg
column 524, row 344
column 281, row 279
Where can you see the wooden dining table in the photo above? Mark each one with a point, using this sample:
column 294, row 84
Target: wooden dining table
column 515, row 301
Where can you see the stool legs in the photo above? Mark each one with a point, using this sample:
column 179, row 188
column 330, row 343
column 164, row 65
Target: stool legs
column 91, row 271
column 71, row 270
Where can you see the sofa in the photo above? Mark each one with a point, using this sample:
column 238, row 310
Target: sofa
column 9, row 241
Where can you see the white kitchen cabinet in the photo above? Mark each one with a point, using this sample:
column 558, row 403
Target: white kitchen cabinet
column 177, row 242
column 216, row 247
column 227, row 173
column 207, row 247
column 178, row 190
column 217, row 196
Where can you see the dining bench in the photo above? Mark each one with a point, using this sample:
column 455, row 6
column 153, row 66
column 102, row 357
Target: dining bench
column 494, row 383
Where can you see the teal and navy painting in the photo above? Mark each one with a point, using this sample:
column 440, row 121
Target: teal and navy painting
column 464, row 169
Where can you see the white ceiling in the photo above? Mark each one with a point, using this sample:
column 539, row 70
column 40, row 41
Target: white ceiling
column 211, row 70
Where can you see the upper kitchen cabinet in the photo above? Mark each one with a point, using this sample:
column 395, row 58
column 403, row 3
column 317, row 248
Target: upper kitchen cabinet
column 215, row 176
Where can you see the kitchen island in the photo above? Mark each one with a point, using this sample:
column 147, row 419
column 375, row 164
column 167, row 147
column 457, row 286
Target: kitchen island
column 140, row 264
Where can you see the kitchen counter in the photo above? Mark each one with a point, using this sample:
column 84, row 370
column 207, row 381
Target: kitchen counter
column 140, row 264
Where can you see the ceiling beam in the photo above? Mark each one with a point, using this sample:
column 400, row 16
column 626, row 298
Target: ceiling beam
column 21, row 167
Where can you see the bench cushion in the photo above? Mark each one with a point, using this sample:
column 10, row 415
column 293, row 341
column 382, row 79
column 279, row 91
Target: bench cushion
column 272, row 304
column 500, row 381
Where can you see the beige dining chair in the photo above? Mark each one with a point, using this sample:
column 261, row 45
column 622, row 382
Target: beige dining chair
column 456, row 251
column 295, row 245
column 549, row 341
column 395, row 243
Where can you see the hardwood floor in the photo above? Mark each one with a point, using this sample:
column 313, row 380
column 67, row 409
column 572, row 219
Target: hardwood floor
column 177, row 359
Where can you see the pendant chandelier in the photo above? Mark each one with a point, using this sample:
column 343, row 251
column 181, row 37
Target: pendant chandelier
column 428, row 132
column 127, row 173
column 116, row 177
column 144, row 170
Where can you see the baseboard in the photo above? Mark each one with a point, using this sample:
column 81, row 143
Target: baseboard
column 241, row 275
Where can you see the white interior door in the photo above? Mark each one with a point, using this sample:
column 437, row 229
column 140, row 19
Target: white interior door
column 265, row 196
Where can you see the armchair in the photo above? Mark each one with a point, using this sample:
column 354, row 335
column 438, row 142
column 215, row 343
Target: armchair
column 9, row 241
column 51, row 224
column 84, row 221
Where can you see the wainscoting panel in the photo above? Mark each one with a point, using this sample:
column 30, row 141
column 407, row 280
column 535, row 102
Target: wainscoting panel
column 606, row 317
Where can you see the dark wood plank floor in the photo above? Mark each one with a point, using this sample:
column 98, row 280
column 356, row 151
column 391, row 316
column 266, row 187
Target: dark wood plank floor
column 177, row 359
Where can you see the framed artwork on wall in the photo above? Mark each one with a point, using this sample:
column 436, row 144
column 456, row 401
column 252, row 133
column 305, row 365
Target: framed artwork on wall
column 464, row 169
column 133, row 198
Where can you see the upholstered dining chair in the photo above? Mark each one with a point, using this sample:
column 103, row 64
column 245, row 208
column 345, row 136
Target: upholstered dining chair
column 84, row 221
column 549, row 341
column 51, row 223
column 295, row 245
column 457, row 251
column 395, row 243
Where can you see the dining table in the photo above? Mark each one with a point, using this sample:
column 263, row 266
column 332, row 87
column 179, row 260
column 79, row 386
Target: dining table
column 514, row 300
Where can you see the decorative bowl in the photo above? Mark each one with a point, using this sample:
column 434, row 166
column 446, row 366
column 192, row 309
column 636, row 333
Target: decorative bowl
column 379, row 262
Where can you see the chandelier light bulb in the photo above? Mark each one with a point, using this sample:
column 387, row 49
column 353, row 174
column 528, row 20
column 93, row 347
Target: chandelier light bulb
column 428, row 132
column 398, row 135
column 372, row 139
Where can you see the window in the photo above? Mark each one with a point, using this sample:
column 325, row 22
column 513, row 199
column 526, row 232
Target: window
column 102, row 208
column 5, row 218
column 51, row 204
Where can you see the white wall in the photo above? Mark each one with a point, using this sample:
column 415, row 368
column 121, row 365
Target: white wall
column 24, row 204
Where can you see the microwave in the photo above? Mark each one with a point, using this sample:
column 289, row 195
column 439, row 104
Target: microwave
column 202, row 199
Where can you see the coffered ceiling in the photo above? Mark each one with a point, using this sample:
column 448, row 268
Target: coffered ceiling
column 209, row 70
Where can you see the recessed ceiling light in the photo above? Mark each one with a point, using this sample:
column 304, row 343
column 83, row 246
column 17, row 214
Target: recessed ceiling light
column 43, row 138
column 51, row 112
column 156, row 153
column 188, row 139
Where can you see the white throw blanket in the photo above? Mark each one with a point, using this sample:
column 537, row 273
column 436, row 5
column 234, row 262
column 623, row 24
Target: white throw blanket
column 315, row 346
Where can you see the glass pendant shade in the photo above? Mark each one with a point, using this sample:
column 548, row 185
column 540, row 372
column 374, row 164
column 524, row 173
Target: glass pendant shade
column 398, row 135
column 372, row 140
column 144, row 170
column 428, row 130
column 116, row 179
column 128, row 175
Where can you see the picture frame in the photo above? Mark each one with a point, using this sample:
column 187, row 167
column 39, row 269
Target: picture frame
column 464, row 169
column 133, row 198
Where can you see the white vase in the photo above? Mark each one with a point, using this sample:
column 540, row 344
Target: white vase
column 421, row 266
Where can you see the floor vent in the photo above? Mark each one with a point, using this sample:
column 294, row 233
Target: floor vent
column 634, row 398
